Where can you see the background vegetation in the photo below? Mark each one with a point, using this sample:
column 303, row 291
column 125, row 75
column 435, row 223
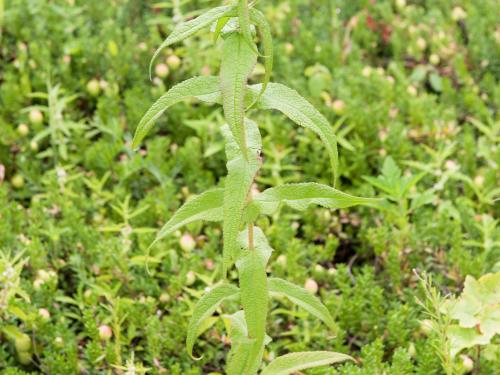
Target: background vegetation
column 412, row 89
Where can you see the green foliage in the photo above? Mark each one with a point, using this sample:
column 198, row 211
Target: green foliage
column 409, row 91
column 477, row 311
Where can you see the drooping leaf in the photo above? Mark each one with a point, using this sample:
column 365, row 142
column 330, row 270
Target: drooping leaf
column 302, row 298
column 203, row 88
column 294, row 362
column 238, row 61
column 186, row 29
column 300, row 111
column 300, row 196
column 241, row 172
column 206, row 206
column 254, row 292
column 205, row 307
column 267, row 44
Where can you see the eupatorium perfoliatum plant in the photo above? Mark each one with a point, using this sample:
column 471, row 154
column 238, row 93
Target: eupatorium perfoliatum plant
column 244, row 245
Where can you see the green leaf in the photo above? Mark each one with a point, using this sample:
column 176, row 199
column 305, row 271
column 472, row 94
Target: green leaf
column 294, row 362
column 220, row 25
column 205, row 307
column 241, row 172
column 238, row 61
column 203, row 88
column 206, row 206
column 300, row 196
column 300, row 111
column 267, row 44
column 302, row 298
column 244, row 21
column 254, row 293
column 462, row 338
column 238, row 361
column 186, row 29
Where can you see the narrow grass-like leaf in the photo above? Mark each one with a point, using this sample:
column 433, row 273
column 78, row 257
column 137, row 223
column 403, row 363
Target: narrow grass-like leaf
column 299, row 110
column 300, row 196
column 238, row 61
column 198, row 87
column 302, row 298
column 293, row 362
column 241, row 172
column 254, row 292
column 267, row 45
column 186, row 29
column 206, row 206
column 205, row 307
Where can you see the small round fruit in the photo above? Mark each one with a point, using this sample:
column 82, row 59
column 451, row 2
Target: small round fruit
column 44, row 313
column 426, row 327
column 161, row 70
column 34, row 145
column 289, row 48
column 23, row 129
column 434, row 59
column 411, row 90
column 17, row 181
column 173, row 62
column 282, row 260
column 23, row 343
column 412, row 351
column 311, row 286
column 421, row 44
column 93, row 87
column 24, row 358
column 164, row 298
column 467, row 363
column 318, row 268
column 35, row 117
column 190, row 278
column 105, row 332
column 338, row 107
column 187, row 243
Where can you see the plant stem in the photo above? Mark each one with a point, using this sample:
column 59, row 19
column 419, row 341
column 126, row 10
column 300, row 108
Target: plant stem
column 250, row 237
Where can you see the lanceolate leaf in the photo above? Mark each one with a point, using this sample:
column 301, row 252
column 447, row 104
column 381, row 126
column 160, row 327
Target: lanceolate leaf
column 240, row 355
column 302, row 298
column 203, row 88
column 254, row 293
column 238, row 61
column 205, row 307
column 241, row 172
column 299, row 110
column 244, row 20
column 267, row 44
column 206, row 206
column 186, row 29
column 241, row 346
column 301, row 195
column 293, row 362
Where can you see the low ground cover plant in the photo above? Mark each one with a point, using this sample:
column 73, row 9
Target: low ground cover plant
column 382, row 257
